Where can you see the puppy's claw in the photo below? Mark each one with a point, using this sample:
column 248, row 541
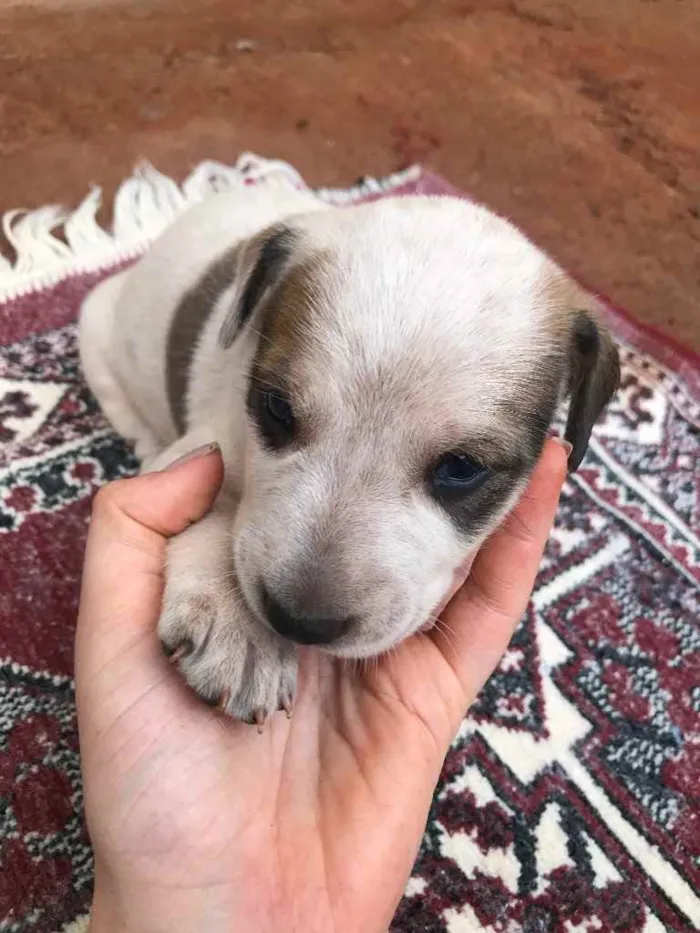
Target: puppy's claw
column 180, row 652
column 260, row 718
column 288, row 706
column 224, row 699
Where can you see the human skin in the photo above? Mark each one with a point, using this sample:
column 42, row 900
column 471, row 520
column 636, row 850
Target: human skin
column 200, row 823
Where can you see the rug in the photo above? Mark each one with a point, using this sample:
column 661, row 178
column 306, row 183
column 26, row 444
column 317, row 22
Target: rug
column 570, row 800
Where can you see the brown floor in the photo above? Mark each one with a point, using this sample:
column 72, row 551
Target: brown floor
column 579, row 120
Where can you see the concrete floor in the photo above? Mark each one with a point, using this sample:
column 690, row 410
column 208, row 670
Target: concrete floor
column 579, row 120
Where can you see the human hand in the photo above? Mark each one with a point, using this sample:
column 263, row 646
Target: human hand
column 200, row 823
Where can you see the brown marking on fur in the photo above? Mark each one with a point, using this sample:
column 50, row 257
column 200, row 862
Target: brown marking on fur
column 263, row 261
column 290, row 312
column 248, row 261
column 285, row 323
column 593, row 364
column 595, row 377
column 186, row 327
column 560, row 295
column 522, row 419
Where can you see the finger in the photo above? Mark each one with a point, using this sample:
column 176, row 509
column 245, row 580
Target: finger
column 124, row 560
column 165, row 502
column 479, row 621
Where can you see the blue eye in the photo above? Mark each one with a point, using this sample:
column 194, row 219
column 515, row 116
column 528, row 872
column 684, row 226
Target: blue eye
column 457, row 473
column 279, row 410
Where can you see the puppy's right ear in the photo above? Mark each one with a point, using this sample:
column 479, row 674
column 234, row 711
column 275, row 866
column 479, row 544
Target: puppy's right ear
column 262, row 264
column 594, row 376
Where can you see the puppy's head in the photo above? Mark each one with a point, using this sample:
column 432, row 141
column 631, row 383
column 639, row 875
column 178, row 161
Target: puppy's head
column 410, row 357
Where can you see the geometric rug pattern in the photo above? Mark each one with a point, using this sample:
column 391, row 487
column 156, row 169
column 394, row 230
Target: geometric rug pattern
column 570, row 800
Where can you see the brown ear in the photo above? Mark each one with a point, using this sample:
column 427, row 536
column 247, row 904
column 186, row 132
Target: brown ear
column 594, row 377
column 262, row 263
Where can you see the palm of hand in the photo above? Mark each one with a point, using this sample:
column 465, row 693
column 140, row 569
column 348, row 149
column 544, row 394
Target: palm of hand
column 318, row 819
column 314, row 808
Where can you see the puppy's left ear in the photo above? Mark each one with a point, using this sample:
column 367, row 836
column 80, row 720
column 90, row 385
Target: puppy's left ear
column 594, row 375
column 262, row 262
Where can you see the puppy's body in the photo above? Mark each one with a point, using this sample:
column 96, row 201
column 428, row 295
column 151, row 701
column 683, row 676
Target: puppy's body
column 380, row 379
column 127, row 320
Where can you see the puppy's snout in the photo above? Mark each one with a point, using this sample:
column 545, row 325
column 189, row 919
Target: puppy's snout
column 304, row 629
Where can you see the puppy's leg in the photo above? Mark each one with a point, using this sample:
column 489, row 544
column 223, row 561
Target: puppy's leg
column 226, row 656
column 94, row 339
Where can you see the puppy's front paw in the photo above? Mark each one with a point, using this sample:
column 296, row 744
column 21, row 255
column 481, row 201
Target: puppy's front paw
column 203, row 633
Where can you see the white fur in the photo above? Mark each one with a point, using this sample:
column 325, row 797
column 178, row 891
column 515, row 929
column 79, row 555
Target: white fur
column 441, row 297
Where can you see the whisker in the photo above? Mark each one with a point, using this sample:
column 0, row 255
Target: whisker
column 260, row 334
column 433, row 619
column 391, row 656
column 448, row 633
column 266, row 384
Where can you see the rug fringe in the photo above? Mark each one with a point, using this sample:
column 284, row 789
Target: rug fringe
column 50, row 243
column 144, row 205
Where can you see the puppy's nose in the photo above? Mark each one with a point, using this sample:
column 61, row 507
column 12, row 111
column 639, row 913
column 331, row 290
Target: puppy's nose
column 306, row 630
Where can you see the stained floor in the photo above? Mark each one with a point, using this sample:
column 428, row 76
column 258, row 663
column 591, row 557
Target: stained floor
column 579, row 121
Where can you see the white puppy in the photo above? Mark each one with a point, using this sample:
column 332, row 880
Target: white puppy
column 380, row 378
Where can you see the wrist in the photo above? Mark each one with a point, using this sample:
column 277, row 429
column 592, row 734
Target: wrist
column 143, row 909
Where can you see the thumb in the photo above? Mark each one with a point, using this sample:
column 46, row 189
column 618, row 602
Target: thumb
column 125, row 555
column 162, row 503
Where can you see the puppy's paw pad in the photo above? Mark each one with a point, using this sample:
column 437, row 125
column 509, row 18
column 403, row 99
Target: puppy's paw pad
column 203, row 635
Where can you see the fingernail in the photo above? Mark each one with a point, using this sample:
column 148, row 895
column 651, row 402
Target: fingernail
column 567, row 445
column 195, row 454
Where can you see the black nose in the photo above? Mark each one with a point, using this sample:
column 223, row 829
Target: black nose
column 306, row 630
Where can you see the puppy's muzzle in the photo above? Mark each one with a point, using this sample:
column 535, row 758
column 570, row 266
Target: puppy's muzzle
column 303, row 629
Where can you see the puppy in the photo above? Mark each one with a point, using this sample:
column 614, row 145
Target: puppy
column 381, row 379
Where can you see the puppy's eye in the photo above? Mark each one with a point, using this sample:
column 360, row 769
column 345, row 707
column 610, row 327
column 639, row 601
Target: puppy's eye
column 457, row 473
column 279, row 410
column 275, row 418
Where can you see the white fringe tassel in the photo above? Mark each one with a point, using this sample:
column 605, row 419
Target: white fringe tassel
column 144, row 206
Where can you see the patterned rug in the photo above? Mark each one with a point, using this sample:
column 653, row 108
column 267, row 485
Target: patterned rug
column 570, row 801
